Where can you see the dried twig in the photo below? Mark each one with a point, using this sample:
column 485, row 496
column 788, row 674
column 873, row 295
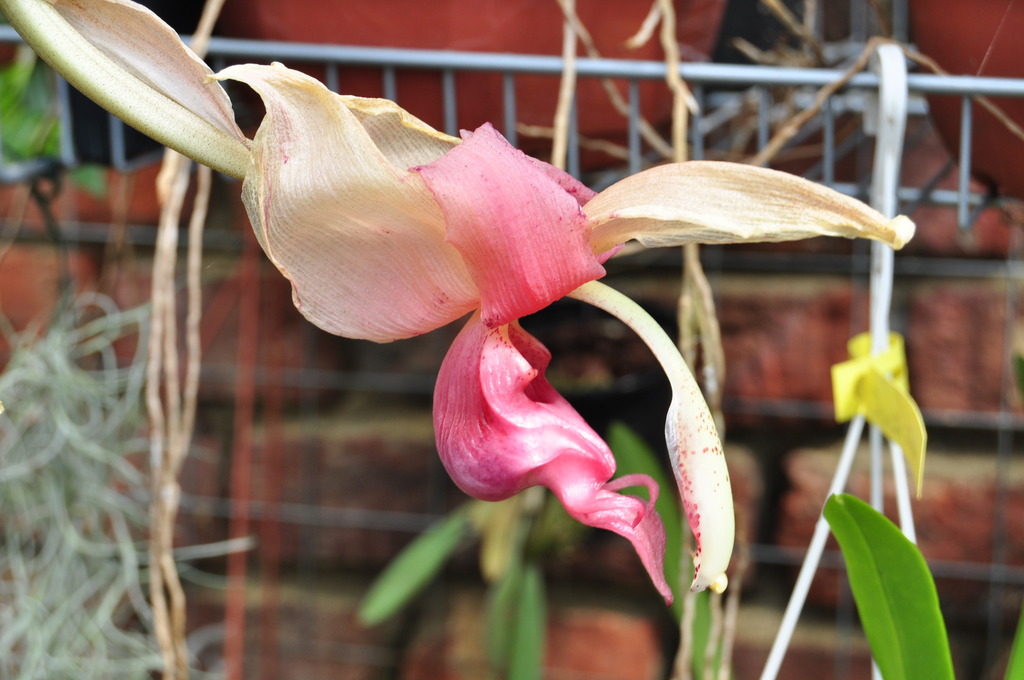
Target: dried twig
column 732, row 602
column 714, row 634
column 794, row 124
column 647, row 131
column 794, row 26
column 604, row 146
column 778, row 55
column 171, row 411
column 646, row 30
column 884, row 27
column 698, row 322
column 567, row 86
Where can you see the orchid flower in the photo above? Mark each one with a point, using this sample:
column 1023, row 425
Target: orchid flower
column 388, row 229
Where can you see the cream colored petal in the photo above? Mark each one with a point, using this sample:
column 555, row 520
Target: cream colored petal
column 361, row 240
column 715, row 202
column 702, row 475
column 405, row 140
column 123, row 57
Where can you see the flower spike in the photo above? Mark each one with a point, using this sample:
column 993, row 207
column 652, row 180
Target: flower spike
column 693, row 443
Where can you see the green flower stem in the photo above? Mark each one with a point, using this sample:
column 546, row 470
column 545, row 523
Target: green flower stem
column 684, row 385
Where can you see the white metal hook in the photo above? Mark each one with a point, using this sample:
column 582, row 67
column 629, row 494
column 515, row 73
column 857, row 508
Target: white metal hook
column 891, row 66
column 888, row 122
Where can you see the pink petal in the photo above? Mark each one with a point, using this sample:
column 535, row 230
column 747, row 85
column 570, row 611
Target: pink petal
column 519, row 228
column 577, row 189
column 501, row 428
column 359, row 236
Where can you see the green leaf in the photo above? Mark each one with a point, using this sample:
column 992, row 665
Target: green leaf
column 516, row 622
column 633, row 456
column 702, row 635
column 501, row 613
column 92, row 179
column 1015, row 668
column 530, row 629
column 413, row 569
column 28, row 110
column 1018, row 366
column 894, row 592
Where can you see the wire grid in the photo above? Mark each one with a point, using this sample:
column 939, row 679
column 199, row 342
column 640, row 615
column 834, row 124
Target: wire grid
column 722, row 90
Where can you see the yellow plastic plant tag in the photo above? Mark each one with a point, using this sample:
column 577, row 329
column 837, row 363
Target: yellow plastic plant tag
column 878, row 388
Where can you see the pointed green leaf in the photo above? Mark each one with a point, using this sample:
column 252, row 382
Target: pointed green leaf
column 702, row 623
column 530, row 627
column 894, row 592
column 413, row 569
column 1018, row 367
column 501, row 612
column 1015, row 668
column 516, row 622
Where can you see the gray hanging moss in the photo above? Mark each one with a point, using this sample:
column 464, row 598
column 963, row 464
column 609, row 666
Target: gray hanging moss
column 73, row 498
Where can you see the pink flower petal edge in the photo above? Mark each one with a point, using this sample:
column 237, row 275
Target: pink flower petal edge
column 519, row 228
column 501, row 427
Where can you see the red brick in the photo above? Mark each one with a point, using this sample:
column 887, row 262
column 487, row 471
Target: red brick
column 130, row 197
column 939, row 236
column 955, row 344
column 937, row 232
column 303, row 629
column 30, row 280
column 606, row 642
column 363, row 461
column 782, row 336
column 581, row 641
column 203, row 477
column 819, row 648
column 286, row 341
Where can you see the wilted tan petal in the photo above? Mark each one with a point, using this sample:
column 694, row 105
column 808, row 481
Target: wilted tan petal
column 361, row 239
column 123, row 57
column 714, row 202
column 404, row 139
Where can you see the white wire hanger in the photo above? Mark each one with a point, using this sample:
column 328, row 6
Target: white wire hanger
column 888, row 123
